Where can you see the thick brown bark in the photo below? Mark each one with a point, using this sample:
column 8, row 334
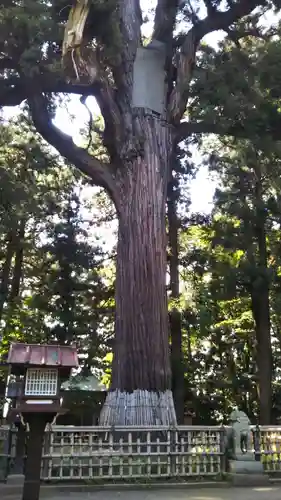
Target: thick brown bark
column 141, row 303
column 141, row 364
column 175, row 315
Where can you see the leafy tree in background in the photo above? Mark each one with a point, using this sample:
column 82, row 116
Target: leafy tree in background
column 220, row 337
column 244, row 172
column 72, row 291
column 233, row 264
column 245, row 222
column 51, row 267
column 23, row 161
column 100, row 41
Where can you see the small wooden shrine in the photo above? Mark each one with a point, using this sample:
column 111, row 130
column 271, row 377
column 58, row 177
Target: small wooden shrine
column 38, row 372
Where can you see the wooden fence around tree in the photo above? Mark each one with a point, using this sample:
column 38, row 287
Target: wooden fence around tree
column 143, row 453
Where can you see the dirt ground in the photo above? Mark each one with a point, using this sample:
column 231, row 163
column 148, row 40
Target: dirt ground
column 262, row 493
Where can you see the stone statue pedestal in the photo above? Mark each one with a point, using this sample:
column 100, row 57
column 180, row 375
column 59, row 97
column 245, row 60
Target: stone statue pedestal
column 246, row 471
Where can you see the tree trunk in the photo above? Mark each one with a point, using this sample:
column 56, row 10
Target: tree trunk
column 140, row 393
column 6, row 269
column 175, row 315
column 260, row 304
column 18, row 266
column 261, row 309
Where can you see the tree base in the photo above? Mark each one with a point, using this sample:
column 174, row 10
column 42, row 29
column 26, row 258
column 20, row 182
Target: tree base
column 139, row 407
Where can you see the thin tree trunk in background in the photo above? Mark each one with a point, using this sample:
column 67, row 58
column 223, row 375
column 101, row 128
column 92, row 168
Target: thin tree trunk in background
column 6, row 269
column 259, row 293
column 175, row 315
column 17, row 271
column 141, row 375
column 18, row 266
column 261, row 311
column 260, row 307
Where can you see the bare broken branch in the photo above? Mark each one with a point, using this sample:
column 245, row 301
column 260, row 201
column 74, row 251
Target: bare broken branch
column 79, row 61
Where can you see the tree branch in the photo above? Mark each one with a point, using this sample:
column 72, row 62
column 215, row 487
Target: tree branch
column 92, row 127
column 213, row 22
column 112, row 118
column 13, row 90
column 129, row 22
column 210, row 7
column 101, row 174
column 130, row 28
column 272, row 130
column 186, row 129
column 236, row 35
column 192, row 13
column 165, row 17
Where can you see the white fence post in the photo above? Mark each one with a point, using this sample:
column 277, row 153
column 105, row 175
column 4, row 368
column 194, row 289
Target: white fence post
column 268, row 448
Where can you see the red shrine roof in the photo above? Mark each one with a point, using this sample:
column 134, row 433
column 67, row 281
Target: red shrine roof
column 42, row 355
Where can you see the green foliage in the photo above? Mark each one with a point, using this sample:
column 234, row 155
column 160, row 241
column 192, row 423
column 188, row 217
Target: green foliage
column 56, row 291
column 230, row 260
column 27, row 26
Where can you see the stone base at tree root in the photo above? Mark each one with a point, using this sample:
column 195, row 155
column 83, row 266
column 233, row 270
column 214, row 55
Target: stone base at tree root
column 247, row 473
